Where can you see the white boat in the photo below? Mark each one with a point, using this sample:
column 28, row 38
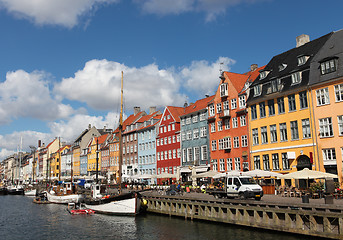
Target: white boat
column 63, row 194
column 30, row 193
column 62, row 199
column 15, row 190
column 123, row 204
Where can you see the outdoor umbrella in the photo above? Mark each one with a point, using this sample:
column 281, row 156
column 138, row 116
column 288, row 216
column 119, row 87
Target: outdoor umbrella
column 262, row 173
column 230, row 173
column 308, row 174
column 209, row 173
column 165, row 175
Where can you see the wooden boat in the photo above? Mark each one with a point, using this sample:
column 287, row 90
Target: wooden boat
column 3, row 191
column 122, row 204
column 63, row 194
column 41, row 199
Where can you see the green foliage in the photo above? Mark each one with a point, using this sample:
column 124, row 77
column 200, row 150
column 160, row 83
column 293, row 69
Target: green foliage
column 316, row 187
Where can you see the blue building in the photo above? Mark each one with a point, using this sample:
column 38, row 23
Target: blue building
column 195, row 137
column 147, row 143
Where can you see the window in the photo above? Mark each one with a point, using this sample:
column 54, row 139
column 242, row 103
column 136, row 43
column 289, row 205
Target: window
column 220, row 125
column 283, row 132
column 204, row 152
column 236, row 142
column 302, row 60
column 271, row 107
column 220, row 144
column 303, row 100
column 244, row 140
column 291, row 103
column 265, row 159
column 214, row 145
column 325, row 127
column 195, row 133
column 237, row 163
column 296, row 78
column 184, row 155
column 221, row 165
column 257, row 163
column 203, row 131
column 227, row 143
column 275, row 160
column 223, row 90
column 188, row 120
column 264, row 135
column 340, row 124
column 329, row 156
column 285, row 161
column 202, row 116
column 213, row 127
column 229, row 164
column 211, row 110
column 257, row 90
column 194, row 119
column 322, row 96
column 339, row 92
column 328, row 66
column 183, row 136
column 262, row 109
column 233, row 103
column 219, row 107
column 255, row 136
column 169, row 129
column 273, row 133
column 226, row 105
column 294, row 130
column 214, row 165
column 173, row 126
column 263, row 74
column 227, row 123
column 242, row 102
column 253, row 112
column 189, row 135
column 243, row 120
column 281, row 105
column 306, row 128
column 174, row 153
column 234, row 122
column 282, row 67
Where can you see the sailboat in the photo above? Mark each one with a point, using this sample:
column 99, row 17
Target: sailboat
column 63, row 193
column 124, row 203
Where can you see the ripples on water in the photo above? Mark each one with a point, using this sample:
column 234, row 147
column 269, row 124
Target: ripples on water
column 22, row 219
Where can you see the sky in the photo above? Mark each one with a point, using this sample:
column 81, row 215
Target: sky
column 61, row 60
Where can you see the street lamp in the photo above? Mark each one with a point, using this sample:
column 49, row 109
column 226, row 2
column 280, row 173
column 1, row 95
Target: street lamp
column 33, row 149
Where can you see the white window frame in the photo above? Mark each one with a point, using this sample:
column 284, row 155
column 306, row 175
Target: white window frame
column 322, row 96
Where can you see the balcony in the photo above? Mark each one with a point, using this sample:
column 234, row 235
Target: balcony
column 224, row 114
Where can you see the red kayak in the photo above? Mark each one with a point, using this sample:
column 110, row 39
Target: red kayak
column 81, row 211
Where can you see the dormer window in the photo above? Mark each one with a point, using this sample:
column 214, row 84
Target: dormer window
column 328, row 66
column 264, row 74
column 302, row 60
column 282, row 67
column 296, row 78
column 257, row 90
column 223, row 90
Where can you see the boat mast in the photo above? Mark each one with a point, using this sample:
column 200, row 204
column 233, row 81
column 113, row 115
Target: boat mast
column 120, row 133
column 59, row 159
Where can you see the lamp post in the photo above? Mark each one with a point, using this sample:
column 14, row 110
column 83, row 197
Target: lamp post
column 97, row 159
column 33, row 149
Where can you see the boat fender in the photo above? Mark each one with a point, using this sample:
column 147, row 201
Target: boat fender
column 144, row 202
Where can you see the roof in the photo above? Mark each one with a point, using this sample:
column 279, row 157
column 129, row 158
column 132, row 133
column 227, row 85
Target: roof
column 130, row 120
column 198, row 105
column 176, row 112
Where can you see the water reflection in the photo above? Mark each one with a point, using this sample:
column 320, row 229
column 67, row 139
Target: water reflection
column 22, row 219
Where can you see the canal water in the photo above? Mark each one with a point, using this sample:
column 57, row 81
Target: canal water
column 20, row 218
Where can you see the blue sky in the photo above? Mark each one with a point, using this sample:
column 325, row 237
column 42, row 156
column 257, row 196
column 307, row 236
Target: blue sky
column 60, row 61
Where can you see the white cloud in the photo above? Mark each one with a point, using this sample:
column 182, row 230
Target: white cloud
column 25, row 94
column 56, row 12
column 211, row 8
column 98, row 85
column 202, row 77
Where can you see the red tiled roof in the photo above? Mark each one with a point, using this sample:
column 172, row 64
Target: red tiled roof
column 176, row 112
column 198, row 105
column 129, row 120
column 101, row 139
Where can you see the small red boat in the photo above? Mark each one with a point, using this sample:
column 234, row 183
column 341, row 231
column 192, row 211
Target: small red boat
column 78, row 210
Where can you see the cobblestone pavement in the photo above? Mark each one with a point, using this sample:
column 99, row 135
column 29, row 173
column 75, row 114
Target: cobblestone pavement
column 268, row 199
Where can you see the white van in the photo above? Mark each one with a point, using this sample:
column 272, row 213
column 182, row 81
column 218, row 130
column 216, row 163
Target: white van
column 243, row 187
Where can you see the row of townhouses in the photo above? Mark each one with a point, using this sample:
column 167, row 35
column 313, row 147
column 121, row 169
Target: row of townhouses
column 282, row 117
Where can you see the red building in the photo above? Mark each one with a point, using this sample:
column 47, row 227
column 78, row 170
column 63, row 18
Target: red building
column 228, row 122
column 168, row 141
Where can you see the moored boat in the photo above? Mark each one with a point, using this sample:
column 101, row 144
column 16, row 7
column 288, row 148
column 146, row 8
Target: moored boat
column 15, row 190
column 74, row 209
column 30, row 193
column 3, row 191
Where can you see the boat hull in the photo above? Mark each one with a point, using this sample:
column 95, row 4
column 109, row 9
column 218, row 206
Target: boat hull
column 15, row 191
column 63, row 199
column 31, row 193
column 130, row 206
column 3, row 191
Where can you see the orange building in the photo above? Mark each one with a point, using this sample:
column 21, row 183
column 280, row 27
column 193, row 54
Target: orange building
column 228, row 122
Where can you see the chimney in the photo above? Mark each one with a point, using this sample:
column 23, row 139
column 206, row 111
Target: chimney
column 89, row 126
column 152, row 110
column 39, row 143
column 185, row 105
column 136, row 110
column 302, row 39
column 253, row 67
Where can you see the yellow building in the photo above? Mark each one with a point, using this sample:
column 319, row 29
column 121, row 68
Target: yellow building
column 281, row 128
column 94, row 148
column 55, row 162
column 326, row 84
column 76, row 160
column 114, row 157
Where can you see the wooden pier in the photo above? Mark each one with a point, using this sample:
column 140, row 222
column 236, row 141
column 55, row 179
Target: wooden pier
column 307, row 219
